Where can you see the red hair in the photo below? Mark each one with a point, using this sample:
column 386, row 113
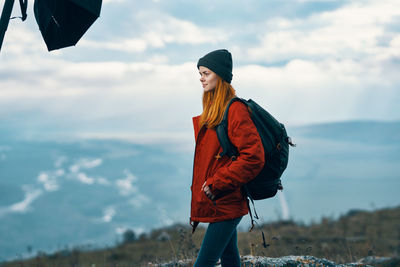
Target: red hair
column 215, row 102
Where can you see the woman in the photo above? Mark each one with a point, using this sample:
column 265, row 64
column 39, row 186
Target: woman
column 216, row 195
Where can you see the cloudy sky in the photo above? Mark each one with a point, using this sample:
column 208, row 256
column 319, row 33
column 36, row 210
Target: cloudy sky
column 133, row 75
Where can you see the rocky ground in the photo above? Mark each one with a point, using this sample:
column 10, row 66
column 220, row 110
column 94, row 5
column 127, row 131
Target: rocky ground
column 294, row 261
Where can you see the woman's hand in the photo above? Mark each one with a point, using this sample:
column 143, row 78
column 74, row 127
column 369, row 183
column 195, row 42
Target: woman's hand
column 207, row 191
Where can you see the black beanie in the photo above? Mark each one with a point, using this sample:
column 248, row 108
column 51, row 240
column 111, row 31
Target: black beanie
column 220, row 62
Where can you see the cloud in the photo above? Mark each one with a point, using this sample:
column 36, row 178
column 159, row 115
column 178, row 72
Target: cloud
column 89, row 164
column 31, row 194
column 126, row 45
column 139, row 200
column 158, row 33
column 60, row 161
column 85, row 163
column 20, row 39
column 163, row 216
column 112, row 97
column 168, row 29
column 305, row 1
column 170, row 137
column 5, row 148
column 49, row 179
column 351, row 31
column 113, row 1
column 3, row 156
column 328, row 90
column 102, row 181
column 108, row 214
column 339, row 64
column 125, row 185
column 83, row 178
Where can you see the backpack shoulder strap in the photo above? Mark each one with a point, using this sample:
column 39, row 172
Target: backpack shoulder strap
column 222, row 132
column 225, row 119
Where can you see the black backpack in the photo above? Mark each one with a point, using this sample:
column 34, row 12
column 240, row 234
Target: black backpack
column 276, row 149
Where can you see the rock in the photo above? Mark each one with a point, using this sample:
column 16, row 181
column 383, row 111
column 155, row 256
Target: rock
column 374, row 260
column 180, row 263
column 293, row 261
column 286, row 261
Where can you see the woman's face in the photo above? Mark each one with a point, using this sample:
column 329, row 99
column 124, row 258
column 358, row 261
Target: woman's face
column 208, row 78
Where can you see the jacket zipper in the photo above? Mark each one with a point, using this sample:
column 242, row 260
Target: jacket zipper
column 194, row 160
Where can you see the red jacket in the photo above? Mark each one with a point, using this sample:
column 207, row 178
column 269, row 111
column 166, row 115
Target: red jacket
column 224, row 176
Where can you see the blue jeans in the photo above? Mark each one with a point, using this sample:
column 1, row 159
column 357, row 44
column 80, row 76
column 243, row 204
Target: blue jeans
column 220, row 242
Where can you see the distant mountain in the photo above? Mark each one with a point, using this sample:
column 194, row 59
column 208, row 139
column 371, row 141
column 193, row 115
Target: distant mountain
column 371, row 132
column 55, row 194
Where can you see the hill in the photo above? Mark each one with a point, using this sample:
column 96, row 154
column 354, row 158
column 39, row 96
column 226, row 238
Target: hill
column 354, row 236
column 367, row 132
column 98, row 188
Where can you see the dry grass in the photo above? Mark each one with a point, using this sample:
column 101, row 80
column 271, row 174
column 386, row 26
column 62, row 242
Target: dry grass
column 357, row 235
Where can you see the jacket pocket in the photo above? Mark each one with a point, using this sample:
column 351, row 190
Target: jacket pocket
column 217, row 164
column 204, row 206
column 232, row 197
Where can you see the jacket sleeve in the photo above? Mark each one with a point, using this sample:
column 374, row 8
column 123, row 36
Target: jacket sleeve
column 250, row 161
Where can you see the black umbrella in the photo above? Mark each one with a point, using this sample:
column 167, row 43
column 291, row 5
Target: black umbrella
column 6, row 14
column 63, row 22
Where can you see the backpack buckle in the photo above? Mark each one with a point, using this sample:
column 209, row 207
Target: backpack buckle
column 279, row 146
column 290, row 141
